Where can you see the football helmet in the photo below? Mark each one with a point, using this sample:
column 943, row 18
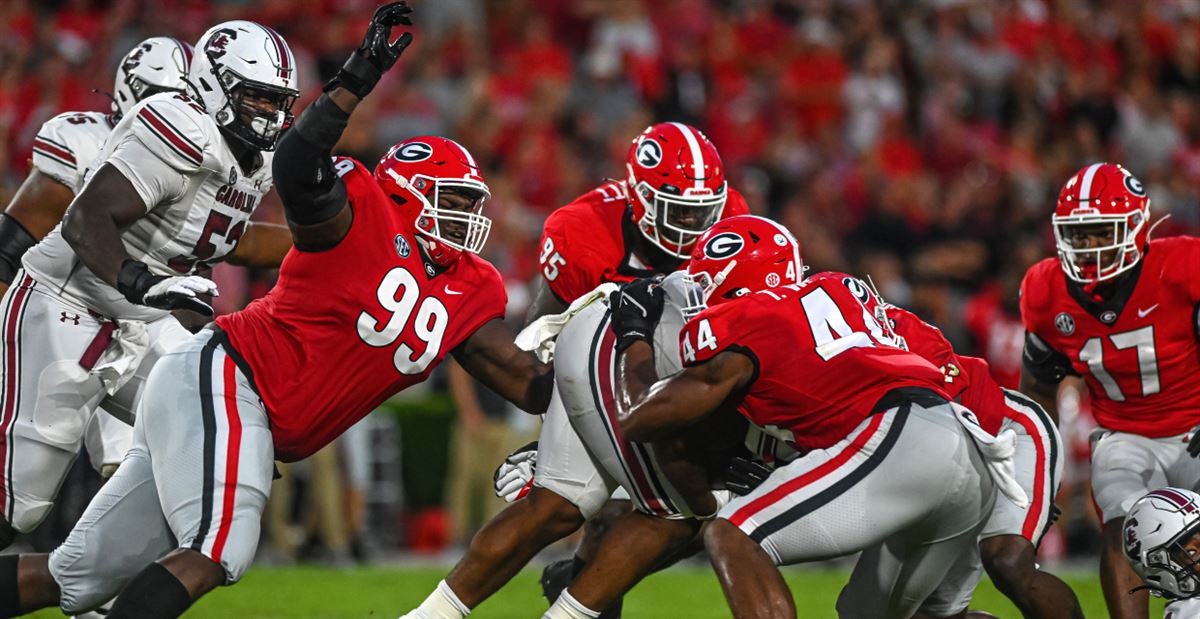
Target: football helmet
column 158, row 64
column 1156, row 533
column 427, row 169
column 245, row 75
column 741, row 255
column 682, row 300
column 1101, row 223
column 678, row 185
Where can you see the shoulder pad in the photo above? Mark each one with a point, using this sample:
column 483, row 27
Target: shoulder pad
column 173, row 127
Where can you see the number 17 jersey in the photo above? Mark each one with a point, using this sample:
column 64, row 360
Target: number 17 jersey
column 346, row 328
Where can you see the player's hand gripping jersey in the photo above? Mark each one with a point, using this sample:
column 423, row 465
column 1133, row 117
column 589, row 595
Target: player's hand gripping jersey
column 197, row 199
column 1137, row 352
column 836, row 365
column 383, row 323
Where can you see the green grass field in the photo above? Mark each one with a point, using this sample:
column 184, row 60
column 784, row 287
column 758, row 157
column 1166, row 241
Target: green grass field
column 691, row 592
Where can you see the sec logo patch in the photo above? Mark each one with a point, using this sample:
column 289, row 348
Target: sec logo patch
column 1064, row 323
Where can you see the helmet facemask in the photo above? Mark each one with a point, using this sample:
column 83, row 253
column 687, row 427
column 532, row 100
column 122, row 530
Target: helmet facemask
column 1117, row 251
column 1170, row 569
column 451, row 217
column 673, row 221
column 254, row 112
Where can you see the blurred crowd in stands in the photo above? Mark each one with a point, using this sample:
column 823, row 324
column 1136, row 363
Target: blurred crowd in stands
column 922, row 142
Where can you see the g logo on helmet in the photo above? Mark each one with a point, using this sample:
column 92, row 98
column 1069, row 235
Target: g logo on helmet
column 1134, row 186
column 724, row 245
column 857, row 288
column 649, row 152
column 413, row 152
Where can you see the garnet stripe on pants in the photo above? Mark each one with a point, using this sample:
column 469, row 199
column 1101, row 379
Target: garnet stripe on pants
column 233, row 448
column 210, row 443
column 1040, row 428
column 826, row 469
column 12, row 385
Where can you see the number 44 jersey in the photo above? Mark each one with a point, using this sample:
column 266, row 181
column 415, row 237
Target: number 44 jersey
column 346, row 328
column 822, row 361
column 1137, row 351
column 197, row 200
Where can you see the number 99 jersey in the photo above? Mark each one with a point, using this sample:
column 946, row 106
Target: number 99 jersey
column 822, row 361
column 1137, row 352
column 346, row 328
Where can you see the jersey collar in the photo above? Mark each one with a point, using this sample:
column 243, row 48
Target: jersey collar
column 1122, row 291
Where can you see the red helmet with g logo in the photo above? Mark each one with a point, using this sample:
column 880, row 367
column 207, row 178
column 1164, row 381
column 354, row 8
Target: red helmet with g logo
column 1101, row 223
column 677, row 184
column 445, row 180
column 744, row 254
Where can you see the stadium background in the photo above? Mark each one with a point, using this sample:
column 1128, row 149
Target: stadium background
column 921, row 142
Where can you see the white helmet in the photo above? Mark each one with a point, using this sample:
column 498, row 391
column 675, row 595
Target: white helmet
column 245, row 76
column 158, row 64
column 683, row 298
column 1156, row 532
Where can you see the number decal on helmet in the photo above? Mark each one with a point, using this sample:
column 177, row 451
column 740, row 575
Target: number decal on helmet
column 649, row 152
column 724, row 245
column 414, row 152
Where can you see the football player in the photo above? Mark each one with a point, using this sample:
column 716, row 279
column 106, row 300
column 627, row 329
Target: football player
column 1119, row 310
column 1008, row 543
column 62, row 151
column 286, row 376
column 674, row 189
column 1161, row 537
column 810, row 365
column 172, row 192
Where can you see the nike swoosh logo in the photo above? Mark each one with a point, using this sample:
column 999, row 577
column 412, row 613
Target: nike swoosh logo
column 1142, row 313
column 449, row 291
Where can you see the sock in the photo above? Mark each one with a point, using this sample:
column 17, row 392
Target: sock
column 154, row 593
column 10, row 593
column 567, row 607
column 441, row 604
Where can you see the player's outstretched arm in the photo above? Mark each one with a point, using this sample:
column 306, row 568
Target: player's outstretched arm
column 38, row 206
column 314, row 197
column 490, row 355
column 262, row 246
column 650, row 410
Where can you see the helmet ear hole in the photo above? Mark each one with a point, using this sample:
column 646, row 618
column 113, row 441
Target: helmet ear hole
column 400, row 201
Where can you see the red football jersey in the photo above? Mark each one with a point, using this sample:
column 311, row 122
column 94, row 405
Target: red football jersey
column 346, row 328
column 1137, row 352
column 583, row 243
column 823, row 361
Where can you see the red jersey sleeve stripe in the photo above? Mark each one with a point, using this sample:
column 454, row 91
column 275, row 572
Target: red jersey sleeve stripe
column 170, row 136
column 54, row 151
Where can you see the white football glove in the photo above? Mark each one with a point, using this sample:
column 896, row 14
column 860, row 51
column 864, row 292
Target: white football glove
column 514, row 476
column 181, row 292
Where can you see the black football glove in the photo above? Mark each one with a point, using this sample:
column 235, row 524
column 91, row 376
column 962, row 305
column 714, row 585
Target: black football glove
column 636, row 308
column 139, row 285
column 377, row 53
column 744, row 475
column 1193, row 447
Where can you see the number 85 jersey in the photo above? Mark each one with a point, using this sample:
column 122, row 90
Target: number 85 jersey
column 1137, row 351
column 348, row 327
column 197, row 199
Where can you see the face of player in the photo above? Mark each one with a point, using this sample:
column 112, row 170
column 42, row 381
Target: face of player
column 1093, row 236
column 462, row 201
column 260, row 108
column 1187, row 554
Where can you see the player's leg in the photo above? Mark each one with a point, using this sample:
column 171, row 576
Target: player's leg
column 567, row 489
column 1124, row 467
column 211, row 449
column 47, row 399
column 753, row 586
column 1008, row 545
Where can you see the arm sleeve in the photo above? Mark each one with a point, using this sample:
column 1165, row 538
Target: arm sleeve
column 53, row 154
column 159, row 149
column 1043, row 362
column 311, row 190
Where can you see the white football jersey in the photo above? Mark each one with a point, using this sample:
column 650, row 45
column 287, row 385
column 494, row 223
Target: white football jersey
column 1182, row 609
column 68, row 143
column 197, row 199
